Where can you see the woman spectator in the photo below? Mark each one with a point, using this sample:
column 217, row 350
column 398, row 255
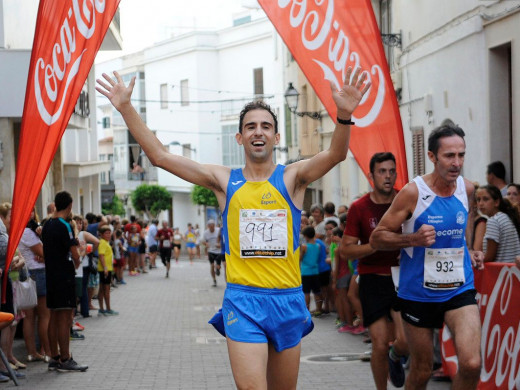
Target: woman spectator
column 478, row 225
column 31, row 248
column 17, row 263
column 513, row 194
column 84, row 236
column 501, row 240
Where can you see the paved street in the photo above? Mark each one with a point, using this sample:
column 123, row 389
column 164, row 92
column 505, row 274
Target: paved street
column 161, row 340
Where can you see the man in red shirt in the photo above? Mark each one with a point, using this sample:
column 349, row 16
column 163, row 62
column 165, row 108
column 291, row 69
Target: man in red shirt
column 376, row 288
column 165, row 236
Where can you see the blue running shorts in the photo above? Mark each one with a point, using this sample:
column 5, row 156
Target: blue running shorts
column 263, row 315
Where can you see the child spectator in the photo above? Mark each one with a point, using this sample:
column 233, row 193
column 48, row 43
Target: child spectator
column 119, row 250
column 309, row 259
column 105, row 268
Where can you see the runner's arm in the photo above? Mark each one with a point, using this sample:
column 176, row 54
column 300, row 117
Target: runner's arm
column 210, row 176
column 351, row 249
column 386, row 235
column 346, row 99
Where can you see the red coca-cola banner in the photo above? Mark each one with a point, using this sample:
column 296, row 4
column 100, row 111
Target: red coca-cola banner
column 498, row 287
column 327, row 36
column 67, row 37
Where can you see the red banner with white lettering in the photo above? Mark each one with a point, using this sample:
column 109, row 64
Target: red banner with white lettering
column 67, row 37
column 325, row 37
column 498, row 287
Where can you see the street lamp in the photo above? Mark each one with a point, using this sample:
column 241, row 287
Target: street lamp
column 291, row 98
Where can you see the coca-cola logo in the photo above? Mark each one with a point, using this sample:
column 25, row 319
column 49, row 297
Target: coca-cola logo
column 54, row 74
column 317, row 31
column 501, row 331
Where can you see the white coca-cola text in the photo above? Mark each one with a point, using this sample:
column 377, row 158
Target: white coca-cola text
column 316, row 31
column 53, row 76
column 501, row 343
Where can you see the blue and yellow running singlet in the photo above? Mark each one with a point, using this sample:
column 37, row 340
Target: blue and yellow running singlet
column 261, row 228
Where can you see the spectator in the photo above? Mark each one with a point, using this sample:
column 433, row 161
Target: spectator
column 329, row 210
column 119, row 258
column 318, row 214
column 496, row 176
column 61, row 254
column 513, row 194
column 17, row 263
column 151, row 241
column 105, row 269
column 309, row 255
column 501, row 240
column 31, row 248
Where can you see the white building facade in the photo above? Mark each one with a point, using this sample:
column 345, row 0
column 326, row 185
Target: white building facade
column 459, row 60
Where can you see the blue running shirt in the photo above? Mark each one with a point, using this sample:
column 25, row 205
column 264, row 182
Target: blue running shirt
column 442, row 271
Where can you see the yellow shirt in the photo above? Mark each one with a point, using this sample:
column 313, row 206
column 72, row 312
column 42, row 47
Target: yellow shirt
column 106, row 250
column 261, row 232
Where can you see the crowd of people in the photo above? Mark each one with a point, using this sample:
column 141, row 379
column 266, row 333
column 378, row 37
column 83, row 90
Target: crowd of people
column 75, row 261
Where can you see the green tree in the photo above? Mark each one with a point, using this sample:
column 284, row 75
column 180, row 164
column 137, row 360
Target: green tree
column 115, row 207
column 202, row 196
column 151, row 199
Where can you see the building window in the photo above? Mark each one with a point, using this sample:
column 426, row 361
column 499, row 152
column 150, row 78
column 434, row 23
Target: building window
column 288, row 126
column 258, row 76
column 186, row 150
column 185, row 93
column 106, row 122
column 164, row 95
column 232, row 153
column 418, row 151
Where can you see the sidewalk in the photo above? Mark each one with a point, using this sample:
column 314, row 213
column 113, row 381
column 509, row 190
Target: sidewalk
column 161, row 340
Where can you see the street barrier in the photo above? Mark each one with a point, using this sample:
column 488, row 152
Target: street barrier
column 498, row 296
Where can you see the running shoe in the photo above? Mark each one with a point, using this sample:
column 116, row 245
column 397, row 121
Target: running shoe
column 4, row 378
column 111, row 312
column 214, row 283
column 70, row 366
column 101, row 313
column 396, row 372
column 122, row 281
column 78, row 327
column 217, row 271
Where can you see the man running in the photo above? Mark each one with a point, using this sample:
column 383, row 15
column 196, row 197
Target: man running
column 262, row 204
column 436, row 278
column 211, row 239
column 376, row 288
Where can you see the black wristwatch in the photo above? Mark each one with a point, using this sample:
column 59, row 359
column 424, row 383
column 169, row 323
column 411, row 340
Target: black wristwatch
column 345, row 121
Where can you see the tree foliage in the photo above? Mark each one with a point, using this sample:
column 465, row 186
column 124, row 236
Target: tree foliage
column 151, row 199
column 202, row 196
column 115, row 207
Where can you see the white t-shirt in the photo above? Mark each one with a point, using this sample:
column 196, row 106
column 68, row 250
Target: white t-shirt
column 501, row 229
column 150, row 236
column 29, row 239
column 212, row 240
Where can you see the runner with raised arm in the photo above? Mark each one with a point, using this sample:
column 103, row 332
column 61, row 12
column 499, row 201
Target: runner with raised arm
column 262, row 204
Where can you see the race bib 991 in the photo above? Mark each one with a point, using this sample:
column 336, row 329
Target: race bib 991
column 263, row 233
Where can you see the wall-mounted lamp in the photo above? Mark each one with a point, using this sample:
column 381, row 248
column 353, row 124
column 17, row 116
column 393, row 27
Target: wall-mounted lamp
column 291, row 98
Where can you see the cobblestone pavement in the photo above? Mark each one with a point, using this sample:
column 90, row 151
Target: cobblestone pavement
column 161, row 340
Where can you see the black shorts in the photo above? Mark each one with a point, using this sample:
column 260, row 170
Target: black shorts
column 324, row 278
column 61, row 294
column 152, row 249
column 105, row 279
column 178, row 246
column 378, row 296
column 214, row 257
column 166, row 254
column 311, row 283
column 431, row 314
column 142, row 248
